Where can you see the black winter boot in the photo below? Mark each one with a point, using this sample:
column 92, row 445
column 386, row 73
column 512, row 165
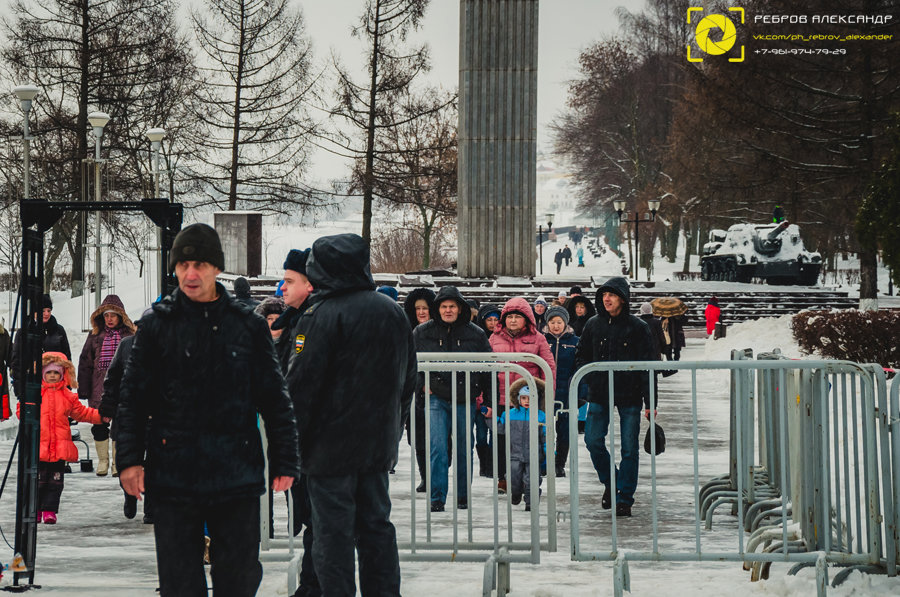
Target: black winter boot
column 485, row 464
column 562, row 454
column 606, row 500
column 420, row 463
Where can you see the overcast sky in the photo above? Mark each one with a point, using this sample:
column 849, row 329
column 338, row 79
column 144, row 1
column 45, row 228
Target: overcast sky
column 565, row 28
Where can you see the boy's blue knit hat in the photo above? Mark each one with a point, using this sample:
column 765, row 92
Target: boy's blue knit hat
column 524, row 391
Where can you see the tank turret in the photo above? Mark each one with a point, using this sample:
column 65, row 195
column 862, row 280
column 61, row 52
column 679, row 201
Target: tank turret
column 773, row 253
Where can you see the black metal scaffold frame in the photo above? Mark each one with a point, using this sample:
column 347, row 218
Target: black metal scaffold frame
column 37, row 217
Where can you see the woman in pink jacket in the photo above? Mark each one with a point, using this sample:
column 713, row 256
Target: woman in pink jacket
column 517, row 332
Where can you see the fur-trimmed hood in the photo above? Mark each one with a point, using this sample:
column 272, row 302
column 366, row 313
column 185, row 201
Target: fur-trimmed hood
column 409, row 304
column 520, row 383
column 111, row 303
column 68, row 368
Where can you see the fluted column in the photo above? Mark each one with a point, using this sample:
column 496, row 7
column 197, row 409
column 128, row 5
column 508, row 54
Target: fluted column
column 497, row 137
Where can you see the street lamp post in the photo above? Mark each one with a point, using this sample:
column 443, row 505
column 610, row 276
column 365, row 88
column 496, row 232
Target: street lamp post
column 619, row 205
column 541, row 240
column 97, row 120
column 156, row 135
column 26, row 94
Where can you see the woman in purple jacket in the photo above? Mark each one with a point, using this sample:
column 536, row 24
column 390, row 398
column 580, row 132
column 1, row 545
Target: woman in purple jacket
column 110, row 324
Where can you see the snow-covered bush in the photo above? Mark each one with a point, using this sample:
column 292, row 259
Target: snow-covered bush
column 852, row 335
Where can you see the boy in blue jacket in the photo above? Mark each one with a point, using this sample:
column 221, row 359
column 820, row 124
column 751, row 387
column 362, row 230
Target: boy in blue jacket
column 519, row 475
column 563, row 342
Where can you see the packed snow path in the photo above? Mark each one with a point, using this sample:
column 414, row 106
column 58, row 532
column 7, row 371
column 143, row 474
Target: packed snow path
column 94, row 550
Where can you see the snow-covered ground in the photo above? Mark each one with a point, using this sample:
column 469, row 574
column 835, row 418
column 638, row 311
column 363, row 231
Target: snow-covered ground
column 94, row 550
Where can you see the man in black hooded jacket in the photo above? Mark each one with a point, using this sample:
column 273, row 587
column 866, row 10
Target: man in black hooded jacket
column 352, row 378
column 450, row 330
column 615, row 335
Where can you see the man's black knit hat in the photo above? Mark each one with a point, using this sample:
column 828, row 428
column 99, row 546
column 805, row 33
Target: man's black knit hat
column 197, row 242
column 46, row 302
column 296, row 260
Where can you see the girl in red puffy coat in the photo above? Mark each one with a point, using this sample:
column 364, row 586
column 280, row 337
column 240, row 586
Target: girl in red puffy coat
column 58, row 403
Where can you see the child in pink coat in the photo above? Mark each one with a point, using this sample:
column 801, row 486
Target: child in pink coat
column 58, row 404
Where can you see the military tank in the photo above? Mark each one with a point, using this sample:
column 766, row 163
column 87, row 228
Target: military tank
column 770, row 252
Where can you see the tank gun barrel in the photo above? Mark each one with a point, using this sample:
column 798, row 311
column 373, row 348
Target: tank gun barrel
column 778, row 230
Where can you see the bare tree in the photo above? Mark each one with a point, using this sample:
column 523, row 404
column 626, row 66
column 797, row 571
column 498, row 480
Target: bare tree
column 415, row 163
column 365, row 106
column 110, row 55
column 615, row 128
column 256, row 83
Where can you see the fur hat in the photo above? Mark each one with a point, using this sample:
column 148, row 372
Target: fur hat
column 197, row 242
column 111, row 303
column 516, row 386
column 646, row 309
column 388, row 291
column 60, row 360
column 557, row 311
column 272, row 305
column 296, row 260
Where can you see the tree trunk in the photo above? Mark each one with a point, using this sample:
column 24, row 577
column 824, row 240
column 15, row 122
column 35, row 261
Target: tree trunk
column 82, row 123
column 688, row 247
column 368, row 176
column 236, row 129
column 868, row 280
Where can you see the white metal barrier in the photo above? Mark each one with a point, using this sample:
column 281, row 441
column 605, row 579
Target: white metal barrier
column 495, row 546
column 832, row 511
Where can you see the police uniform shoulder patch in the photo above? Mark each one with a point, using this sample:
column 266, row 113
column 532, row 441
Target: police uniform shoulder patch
column 299, row 341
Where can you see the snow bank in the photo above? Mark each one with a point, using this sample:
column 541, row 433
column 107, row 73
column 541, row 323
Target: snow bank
column 760, row 335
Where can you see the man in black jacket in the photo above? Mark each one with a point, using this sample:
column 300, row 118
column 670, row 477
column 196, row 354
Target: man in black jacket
column 450, row 330
column 615, row 335
column 352, row 378
column 296, row 290
column 202, row 367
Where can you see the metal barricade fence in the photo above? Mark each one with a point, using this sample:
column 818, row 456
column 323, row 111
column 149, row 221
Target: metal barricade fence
column 497, row 550
column 829, row 503
column 272, row 549
column 893, row 422
column 494, row 547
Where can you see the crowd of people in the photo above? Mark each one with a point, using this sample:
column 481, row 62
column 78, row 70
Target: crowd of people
column 177, row 398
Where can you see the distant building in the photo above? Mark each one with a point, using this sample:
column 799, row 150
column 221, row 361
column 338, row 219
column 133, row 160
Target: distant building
column 557, row 192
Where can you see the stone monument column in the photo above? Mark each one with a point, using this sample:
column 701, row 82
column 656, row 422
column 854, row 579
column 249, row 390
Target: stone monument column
column 497, row 137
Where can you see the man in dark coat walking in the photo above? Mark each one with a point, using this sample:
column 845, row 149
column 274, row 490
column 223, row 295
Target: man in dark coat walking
column 202, row 367
column 352, row 377
column 558, row 259
column 615, row 335
column 450, row 330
